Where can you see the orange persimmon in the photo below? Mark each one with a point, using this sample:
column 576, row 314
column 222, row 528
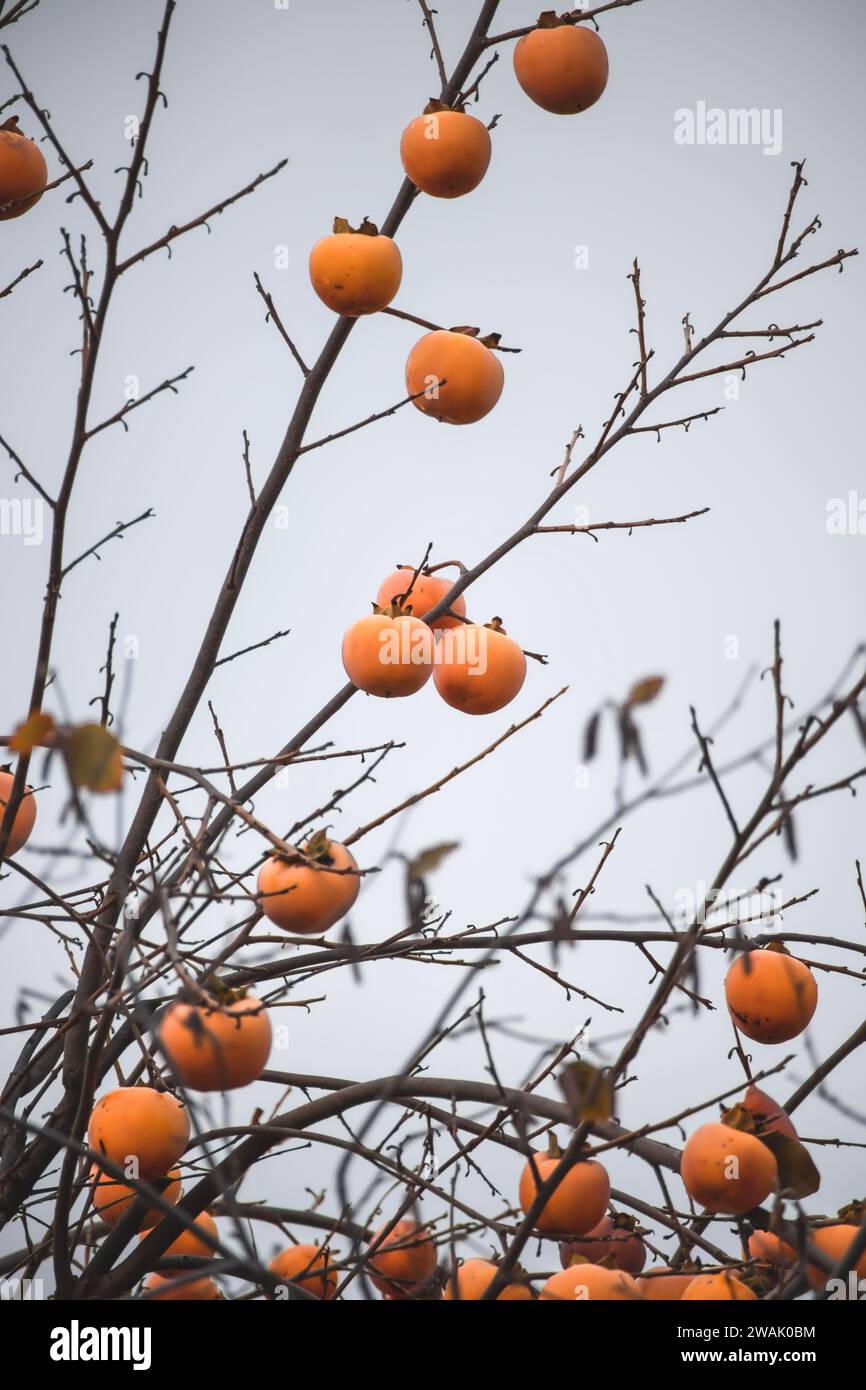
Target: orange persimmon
column 769, row 1116
column 426, row 592
column 216, row 1049
column 308, row 895
column 562, row 68
column 137, row 1126
column 771, row 996
column 770, row 1248
column 473, row 1279
column 23, row 171
column 718, row 1288
column 445, row 153
column 355, row 272
column 404, row 1262
column 586, row 1283
column 25, row 816
column 112, row 1199
column 188, row 1243
column 661, row 1284
column 726, row 1169
column 389, row 653
column 454, row 376
column 612, row 1239
column 308, row 1266
column 834, row 1242
column 193, row 1291
column 479, row 669
column 577, row 1205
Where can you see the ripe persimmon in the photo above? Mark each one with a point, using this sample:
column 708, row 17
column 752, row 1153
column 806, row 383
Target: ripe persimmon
column 586, row 1283
column 425, row 593
column 355, row 271
column 771, row 1249
column 613, row 1240
column 577, row 1205
column 473, row 1279
column 309, row 894
column 136, row 1126
column 726, row 1169
column 25, row 816
column 404, row 1262
column 770, row 1117
column 718, row 1288
column 112, row 1199
column 216, row 1049
column 193, row 1291
column 308, row 1267
column 23, row 171
column 770, row 994
column 661, row 1284
column 445, row 153
column 834, row 1242
column 562, row 68
column 454, row 376
column 188, row 1243
column 479, row 669
column 389, row 653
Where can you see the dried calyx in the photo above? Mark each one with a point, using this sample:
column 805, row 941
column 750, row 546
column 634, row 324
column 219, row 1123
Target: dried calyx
column 393, row 610
column 342, row 227
column 490, row 340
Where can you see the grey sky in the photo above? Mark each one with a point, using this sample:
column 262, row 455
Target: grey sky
column 331, row 84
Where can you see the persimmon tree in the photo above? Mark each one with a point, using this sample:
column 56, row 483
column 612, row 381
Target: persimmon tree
column 111, row 1121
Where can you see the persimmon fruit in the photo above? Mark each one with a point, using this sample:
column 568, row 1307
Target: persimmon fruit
column 661, row 1284
column 474, row 1278
column 309, row 895
column 577, row 1205
column 355, row 271
column 405, row 1261
column 833, row 1241
column 454, row 376
column 194, row 1291
column 25, row 816
column 718, row 1288
column 188, row 1243
column 587, row 1283
column 727, row 1170
column 389, row 653
column 141, row 1125
column 562, row 68
column 769, row 1248
column 23, row 171
column 426, row 592
column 216, row 1049
column 613, row 1240
column 479, row 669
column 445, row 153
column 112, row 1199
column 308, row 1267
column 771, row 996
column 770, row 1116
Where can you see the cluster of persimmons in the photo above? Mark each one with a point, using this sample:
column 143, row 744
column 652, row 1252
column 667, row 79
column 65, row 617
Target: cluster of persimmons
column 219, row 1040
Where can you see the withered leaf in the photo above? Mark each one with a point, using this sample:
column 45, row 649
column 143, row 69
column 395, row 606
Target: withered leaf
column 590, row 736
column 93, row 758
column 588, row 1090
column 35, row 732
column 643, row 692
column 430, row 859
column 798, row 1176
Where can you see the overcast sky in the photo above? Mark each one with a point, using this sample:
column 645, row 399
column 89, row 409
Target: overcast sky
column 540, row 252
